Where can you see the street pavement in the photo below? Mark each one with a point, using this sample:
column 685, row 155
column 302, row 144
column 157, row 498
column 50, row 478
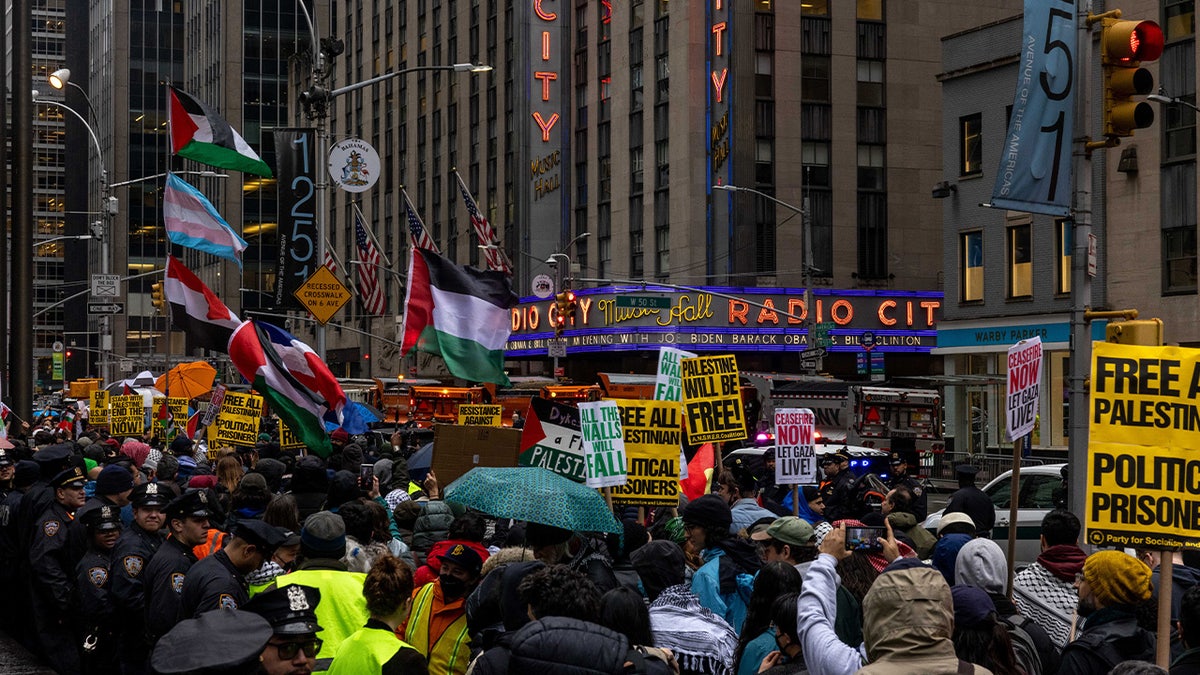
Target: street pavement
column 15, row 660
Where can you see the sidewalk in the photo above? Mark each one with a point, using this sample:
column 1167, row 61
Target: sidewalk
column 15, row 660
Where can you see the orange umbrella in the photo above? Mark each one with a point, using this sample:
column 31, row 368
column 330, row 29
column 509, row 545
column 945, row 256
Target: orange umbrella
column 187, row 380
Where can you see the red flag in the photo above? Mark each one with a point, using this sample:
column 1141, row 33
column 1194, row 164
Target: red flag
column 700, row 473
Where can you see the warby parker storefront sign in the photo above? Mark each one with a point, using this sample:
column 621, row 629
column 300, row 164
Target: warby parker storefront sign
column 899, row 321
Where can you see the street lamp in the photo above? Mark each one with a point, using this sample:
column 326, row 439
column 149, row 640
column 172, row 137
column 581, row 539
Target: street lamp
column 61, row 78
column 79, row 237
column 1161, row 97
column 805, row 246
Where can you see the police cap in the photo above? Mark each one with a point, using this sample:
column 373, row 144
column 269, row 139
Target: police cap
column 52, row 453
column 191, row 504
column 219, row 641
column 966, row 470
column 262, row 535
column 6, row 458
column 71, row 478
column 103, row 519
column 291, row 610
column 149, row 495
column 897, row 458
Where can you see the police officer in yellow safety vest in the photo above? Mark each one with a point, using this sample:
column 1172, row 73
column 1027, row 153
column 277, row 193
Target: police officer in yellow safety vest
column 375, row 648
column 438, row 625
column 292, row 613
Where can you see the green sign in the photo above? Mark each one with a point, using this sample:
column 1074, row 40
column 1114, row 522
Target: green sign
column 56, row 366
column 643, row 302
column 822, row 338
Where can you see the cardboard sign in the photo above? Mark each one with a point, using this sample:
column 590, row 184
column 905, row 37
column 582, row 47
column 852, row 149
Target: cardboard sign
column 552, row 440
column 652, row 435
column 480, row 414
column 668, row 385
column 237, row 422
column 712, row 399
column 214, row 406
column 98, row 407
column 288, row 440
column 458, row 449
column 176, row 404
column 1024, row 386
column 603, row 443
column 1144, row 432
column 126, row 415
column 795, row 453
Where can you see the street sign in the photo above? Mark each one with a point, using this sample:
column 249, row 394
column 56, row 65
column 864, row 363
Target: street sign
column 106, row 286
column 813, row 354
column 106, row 308
column 643, row 302
column 556, row 348
column 322, row 295
column 823, row 338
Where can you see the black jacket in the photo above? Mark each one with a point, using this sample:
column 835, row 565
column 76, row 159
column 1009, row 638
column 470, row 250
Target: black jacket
column 212, row 583
column 975, row 503
column 163, row 583
column 50, row 558
column 1109, row 637
column 563, row 646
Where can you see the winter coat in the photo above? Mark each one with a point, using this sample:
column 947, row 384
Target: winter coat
column 908, row 620
column 1108, row 637
column 816, row 610
column 1047, row 599
column 432, row 526
column 922, row 540
column 723, row 588
column 563, row 646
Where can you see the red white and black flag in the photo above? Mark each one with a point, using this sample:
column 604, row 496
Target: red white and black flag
column 196, row 310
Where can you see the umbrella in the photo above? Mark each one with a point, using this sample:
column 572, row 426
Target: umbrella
column 421, row 459
column 188, row 380
column 533, row 494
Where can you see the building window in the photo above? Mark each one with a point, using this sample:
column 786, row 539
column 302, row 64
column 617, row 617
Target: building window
column 1180, row 19
column 1178, row 218
column 870, row 10
column 1179, row 260
column 970, row 147
column 1066, row 245
column 871, row 167
column 870, row 83
column 872, row 235
column 972, row 266
column 814, row 79
column 1020, row 262
column 815, row 8
column 1179, row 121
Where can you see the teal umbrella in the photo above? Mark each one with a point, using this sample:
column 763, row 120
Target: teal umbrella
column 533, row 494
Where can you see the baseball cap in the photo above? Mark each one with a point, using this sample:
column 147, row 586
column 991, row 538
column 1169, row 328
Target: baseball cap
column 789, row 530
column 465, row 557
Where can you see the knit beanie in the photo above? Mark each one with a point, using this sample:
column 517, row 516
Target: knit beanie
column 972, row 605
column 113, row 479
column 323, row 535
column 1117, row 578
column 708, row 510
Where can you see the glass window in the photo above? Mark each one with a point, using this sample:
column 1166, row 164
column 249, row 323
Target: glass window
column 1066, row 238
column 970, row 144
column 815, row 8
column 870, row 83
column 972, row 266
column 870, row 10
column 1180, row 19
column 1020, row 262
column 814, row 79
column 1179, row 259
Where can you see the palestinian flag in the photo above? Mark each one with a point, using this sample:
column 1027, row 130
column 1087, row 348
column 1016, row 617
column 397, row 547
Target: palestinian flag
column 196, row 310
column 460, row 314
column 199, row 133
column 299, row 408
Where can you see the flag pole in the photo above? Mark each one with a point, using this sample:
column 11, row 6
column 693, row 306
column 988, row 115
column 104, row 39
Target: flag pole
column 371, row 233
column 495, row 244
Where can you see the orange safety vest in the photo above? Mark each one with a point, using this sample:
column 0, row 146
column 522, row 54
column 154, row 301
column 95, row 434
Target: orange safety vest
column 450, row 652
column 215, row 541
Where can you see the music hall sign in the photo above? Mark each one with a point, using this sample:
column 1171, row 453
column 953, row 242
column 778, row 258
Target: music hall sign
column 729, row 320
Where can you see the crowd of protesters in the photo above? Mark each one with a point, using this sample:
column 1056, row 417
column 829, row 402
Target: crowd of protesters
column 136, row 556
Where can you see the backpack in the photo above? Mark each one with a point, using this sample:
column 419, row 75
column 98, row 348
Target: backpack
column 1024, row 648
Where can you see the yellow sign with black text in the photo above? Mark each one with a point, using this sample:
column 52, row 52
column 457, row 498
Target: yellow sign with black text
column 1143, row 469
column 288, row 440
column 127, row 415
column 237, row 422
column 712, row 399
column 322, row 294
column 98, row 407
column 652, row 434
column 483, row 415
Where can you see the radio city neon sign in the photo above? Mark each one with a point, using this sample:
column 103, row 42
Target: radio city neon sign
column 546, row 75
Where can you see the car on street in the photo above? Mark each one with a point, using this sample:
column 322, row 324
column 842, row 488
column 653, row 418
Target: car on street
column 1039, row 487
column 863, row 460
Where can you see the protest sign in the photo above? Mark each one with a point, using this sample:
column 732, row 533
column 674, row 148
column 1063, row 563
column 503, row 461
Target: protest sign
column 237, row 422
column 288, row 440
column 127, row 415
column 486, row 415
column 178, row 406
column 214, row 406
column 1143, row 469
column 651, row 433
column 551, row 439
column 603, row 443
column 712, row 399
column 795, row 453
column 98, row 407
column 668, row 384
column 458, row 449
column 1024, row 386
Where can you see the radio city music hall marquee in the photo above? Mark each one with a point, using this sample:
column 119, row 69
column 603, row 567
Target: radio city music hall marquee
column 900, row 321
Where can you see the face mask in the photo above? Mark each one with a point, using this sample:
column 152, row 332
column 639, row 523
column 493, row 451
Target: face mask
column 452, row 588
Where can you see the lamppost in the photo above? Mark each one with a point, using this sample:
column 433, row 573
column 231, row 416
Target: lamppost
column 51, row 240
column 806, row 267
column 1161, row 97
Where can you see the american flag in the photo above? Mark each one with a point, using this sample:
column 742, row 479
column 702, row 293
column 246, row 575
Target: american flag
column 483, row 229
column 420, row 238
column 330, row 263
column 369, row 287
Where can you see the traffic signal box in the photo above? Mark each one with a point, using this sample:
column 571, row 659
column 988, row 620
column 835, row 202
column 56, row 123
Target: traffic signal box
column 1137, row 332
column 157, row 298
column 1124, row 47
column 564, row 309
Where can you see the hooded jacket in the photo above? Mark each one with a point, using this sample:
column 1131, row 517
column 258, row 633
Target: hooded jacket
column 908, row 620
column 923, row 542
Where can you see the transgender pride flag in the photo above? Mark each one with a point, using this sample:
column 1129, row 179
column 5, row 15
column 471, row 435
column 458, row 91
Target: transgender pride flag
column 192, row 221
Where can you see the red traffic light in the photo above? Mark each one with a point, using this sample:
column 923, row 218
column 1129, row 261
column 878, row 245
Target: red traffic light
column 569, row 296
column 1133, row 41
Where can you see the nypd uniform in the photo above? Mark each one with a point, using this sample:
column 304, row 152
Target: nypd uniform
column 133, row 551
column 215, row 583
column 920, row 505
column 838, row 491
column 96, row 609
column 163, row 577
column 54, row 577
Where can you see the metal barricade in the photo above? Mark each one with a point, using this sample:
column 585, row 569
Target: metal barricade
column 939, row 467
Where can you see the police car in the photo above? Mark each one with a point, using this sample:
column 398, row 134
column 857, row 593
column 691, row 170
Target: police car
column 863, row 460
column 1040, row 486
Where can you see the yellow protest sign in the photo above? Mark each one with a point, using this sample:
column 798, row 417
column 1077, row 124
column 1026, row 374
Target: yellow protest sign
column 98, row 407
column 652, row 435
column 1143, row 470
column 127, row 415
column 178, row 406
column 480, row 414
column 288, row 440
column 237, row 422
column 712, row 399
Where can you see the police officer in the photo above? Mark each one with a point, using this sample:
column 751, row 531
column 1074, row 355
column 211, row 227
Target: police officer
column 14, row 611
column 8, row 468
column 113, row 487
column 972, row 501
column 187, row 527
column 838, row 490
column 96, row 610
column 219, row 580
column 292, row 612
column 901, row 477
column 133, row 552
column 54, row 574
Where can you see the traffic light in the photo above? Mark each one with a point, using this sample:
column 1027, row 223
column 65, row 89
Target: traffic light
column 157, row 298
column 1137, row 332
column 1124, row 46
column 558, row 317
column 569, row 312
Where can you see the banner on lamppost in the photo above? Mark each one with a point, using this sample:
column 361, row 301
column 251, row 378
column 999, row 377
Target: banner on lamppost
column 300, row 250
